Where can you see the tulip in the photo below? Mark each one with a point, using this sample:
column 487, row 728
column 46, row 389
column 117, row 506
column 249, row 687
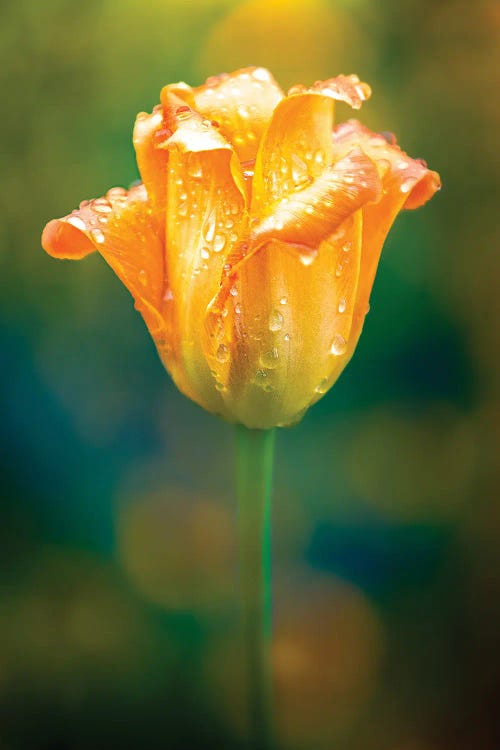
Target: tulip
column 250, row 248
column 251, row 244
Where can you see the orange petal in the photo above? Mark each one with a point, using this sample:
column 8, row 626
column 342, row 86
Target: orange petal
column 242, row 103
column 284, row 328
column 205, row 216
column 120, row 226
column 149, row 133
column 407, row 183
column 297, row 145
column 310, row 215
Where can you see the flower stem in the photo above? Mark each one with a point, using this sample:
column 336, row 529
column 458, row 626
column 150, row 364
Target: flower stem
column 254, row 469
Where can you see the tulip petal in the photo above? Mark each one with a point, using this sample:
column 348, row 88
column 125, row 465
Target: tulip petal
column 149, row 133
column 297, row 146
column 205, row 216
column 120, row 226
column 240, row 105
column 407, row 183
column 286, row 326
column 310, row 215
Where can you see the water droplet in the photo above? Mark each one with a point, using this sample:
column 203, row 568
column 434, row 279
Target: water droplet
column 319, row 157
column 322, row 386
column 219, row 386
column 339, row 345
column 307, row 258
column 237, row 308
column 102, row 206
column 283, row 300
column 260, row 377
column 338, row 270
column 182, row 209
column 270, row 358
column 76, row 222
column 342, row 305
column 116, row 192
column 194, row 169
column 287, row 337
column 402, row 164
column 233, row 291
column 97, row 235
column 168, row 296
column 406, row 187
column 260, row 74
column 219, row 243
column 346, row 246
column 275, row 320
column 222, row 354
column 205, row 253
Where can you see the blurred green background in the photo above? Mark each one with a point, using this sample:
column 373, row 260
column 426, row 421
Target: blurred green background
column 118, row 619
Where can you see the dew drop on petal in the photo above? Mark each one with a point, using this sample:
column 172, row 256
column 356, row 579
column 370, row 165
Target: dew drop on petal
column 222, row 354
column 283, row 300
column 219, row 243
column 339, row 345
column 205, row 253
column 342, row 305
column 275, row 320
column 322, row 386
column 270, row 358
column 76, row 222
column 97, row 235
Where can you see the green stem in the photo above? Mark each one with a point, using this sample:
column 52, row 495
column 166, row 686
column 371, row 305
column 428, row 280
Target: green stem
column 254, row 469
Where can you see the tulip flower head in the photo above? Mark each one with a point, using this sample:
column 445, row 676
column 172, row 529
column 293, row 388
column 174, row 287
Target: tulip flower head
column 251, row 244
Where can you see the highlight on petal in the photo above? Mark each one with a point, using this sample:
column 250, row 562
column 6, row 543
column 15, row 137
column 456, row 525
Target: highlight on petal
column 121, row 227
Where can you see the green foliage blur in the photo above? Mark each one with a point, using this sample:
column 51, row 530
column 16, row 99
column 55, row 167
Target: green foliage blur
column 118, row 603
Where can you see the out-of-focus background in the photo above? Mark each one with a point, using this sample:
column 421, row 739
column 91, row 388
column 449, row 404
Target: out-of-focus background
column 118, row 618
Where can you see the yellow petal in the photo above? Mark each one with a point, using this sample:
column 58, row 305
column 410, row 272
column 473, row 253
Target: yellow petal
column 310, row 215
column 122, row 228
column 149, row 133
column 297, row 145
column 205, row 216
column 285, row 325
column 407, row 183
column 239, row 104
column 242, row 103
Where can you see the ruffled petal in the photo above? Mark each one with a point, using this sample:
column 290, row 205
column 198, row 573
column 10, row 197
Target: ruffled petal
column 205, row 217
column 240, row 104
column 407, row 183
column 149, row 133
column 121, row 227
column 310, row 215
column 297, row 146
column 281, row 337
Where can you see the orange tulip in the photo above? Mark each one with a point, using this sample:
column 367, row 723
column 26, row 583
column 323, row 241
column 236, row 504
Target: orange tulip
column 251, row 245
